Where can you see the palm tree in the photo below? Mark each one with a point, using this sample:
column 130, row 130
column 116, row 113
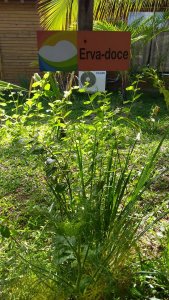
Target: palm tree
column 61, row 14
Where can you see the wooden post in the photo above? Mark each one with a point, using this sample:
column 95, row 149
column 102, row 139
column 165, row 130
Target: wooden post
column 85, row 14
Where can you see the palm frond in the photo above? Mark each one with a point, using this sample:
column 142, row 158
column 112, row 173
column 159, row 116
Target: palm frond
column 62, row 14
column 57, row 14
column 112, row 10
column 141, row 29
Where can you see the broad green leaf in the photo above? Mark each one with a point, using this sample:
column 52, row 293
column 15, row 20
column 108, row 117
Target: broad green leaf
column 36, row 83
column 130, row 88
column 4, row 230
column 29, row 102
column 47, row 87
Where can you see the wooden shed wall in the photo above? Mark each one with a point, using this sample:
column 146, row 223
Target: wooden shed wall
column 18, row 46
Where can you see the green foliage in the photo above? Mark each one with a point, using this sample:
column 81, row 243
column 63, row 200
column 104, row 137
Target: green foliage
column 92, row 218
column 158, row 83
column 153, row 274
column 56, row 15
column 4, row 230
column 28, row 105
column 80, row 240
column 143, row 30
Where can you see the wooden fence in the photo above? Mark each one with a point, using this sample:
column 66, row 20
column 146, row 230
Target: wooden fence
column 154, row 54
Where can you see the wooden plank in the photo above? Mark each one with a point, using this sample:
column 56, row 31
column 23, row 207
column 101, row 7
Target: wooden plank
column 18, row 76
column 18, row 27
column 21, row 14
column 19, row 51
column 10, row 72
column 17, row 5
column 159, row 54
column 15, row 42
column 25, row 42
column 18, row 48
column 19, row 35
column 19, row 19
column 8, row 22
column 12, row 49
column 1, row 66
column 23, row 63
column 13, row 8
column 15, row 71
column 18, row 54
column 20, row 22
column 7, row 40
column 20, row 62
column 23, row 34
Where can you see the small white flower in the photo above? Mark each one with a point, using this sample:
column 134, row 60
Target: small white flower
column 50, row 161
column 138, row 137
column 67, row 93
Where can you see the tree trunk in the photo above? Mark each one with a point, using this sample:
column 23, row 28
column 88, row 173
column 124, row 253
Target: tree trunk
column 85, row 14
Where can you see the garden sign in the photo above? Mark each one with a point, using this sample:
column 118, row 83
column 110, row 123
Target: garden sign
column 83, row 50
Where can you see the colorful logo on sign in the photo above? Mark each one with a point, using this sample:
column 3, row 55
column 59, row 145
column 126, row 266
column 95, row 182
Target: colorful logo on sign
column 84, row 50
column 57, row 51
